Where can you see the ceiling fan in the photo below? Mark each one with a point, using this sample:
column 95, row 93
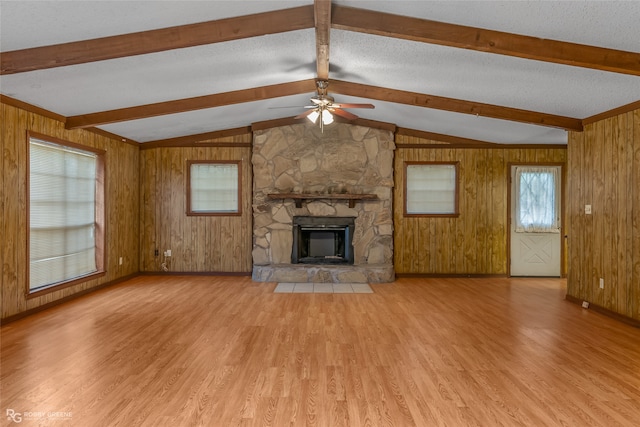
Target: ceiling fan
column 324, row 107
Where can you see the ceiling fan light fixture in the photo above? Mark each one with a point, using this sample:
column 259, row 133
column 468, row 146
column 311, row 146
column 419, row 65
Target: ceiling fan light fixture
column 324, row 107
column 313, row 116
column 327, row 117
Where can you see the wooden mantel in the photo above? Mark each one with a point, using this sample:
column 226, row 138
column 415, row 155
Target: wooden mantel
column 299, row 197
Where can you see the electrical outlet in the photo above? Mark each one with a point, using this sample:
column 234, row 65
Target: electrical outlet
column 168, row 253
column 601, row 283
column 587, row 209
column 585, row 304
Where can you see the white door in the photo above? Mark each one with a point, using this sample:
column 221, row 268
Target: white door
column 535, row 220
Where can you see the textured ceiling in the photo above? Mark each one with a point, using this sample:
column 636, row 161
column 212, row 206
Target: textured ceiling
column 355, row 57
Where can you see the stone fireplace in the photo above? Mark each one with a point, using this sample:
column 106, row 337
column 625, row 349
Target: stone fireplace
column 322, row 204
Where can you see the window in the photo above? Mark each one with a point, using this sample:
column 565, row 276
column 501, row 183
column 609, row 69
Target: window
column 66, row 213
column 431, row 189
column 213, row 188
column 537, row 199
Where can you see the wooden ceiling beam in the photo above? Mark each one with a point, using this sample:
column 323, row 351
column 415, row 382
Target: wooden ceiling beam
column 455, row 105
column 322, row 12
column 274, row 123
column 31, row 108
column 151, row 41
column 290, row 121
column 337, row 86
column 375, row 124
column 202, row 139
column 440, row 33
column 444, row 140
column 190, row 104
column 611, row 113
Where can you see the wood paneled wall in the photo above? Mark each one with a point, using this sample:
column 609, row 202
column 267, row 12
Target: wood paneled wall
column 604, row 172
column 122, row 201
column 197, row 243
column 476, row 241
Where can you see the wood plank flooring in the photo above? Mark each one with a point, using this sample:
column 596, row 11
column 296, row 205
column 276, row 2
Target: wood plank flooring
column 226, row 351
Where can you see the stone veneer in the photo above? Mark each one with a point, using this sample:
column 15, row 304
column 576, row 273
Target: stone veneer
column 344, row 159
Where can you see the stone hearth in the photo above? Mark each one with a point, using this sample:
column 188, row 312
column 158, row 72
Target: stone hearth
column 299, row 159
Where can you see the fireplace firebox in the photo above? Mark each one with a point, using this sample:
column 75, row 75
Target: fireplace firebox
column 322, row 240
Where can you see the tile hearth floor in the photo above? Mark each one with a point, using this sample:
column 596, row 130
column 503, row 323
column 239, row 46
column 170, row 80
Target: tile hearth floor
column 323, row 288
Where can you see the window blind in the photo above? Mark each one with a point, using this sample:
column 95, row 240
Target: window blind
column 62, row 209
column 431, row 189
column 214, row 187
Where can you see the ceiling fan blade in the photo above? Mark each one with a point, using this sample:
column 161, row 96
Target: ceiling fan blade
column 347, row 115
column 292, row 106
column 303, row 115
column 353, row 106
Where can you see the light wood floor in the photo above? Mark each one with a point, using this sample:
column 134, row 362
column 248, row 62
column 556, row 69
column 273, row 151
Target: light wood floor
column 222, row 351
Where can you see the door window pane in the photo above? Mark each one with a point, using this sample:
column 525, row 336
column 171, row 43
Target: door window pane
column 537, row 202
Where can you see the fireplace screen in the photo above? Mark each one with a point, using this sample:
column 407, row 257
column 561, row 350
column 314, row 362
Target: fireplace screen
column 322, row 240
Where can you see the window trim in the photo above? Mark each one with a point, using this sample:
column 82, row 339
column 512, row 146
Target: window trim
column 238, row 163
column 100, row 215
column 454, row 214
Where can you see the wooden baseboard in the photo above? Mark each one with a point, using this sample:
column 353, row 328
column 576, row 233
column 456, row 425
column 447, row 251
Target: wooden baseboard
column 445, row 275
column 43, row 307
column 194, row 273
column 609, row 313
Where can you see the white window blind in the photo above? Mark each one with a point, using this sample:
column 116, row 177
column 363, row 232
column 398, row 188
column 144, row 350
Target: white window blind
column 537, row 209
column 62, row 213
column 214, row 187
column 431, row 189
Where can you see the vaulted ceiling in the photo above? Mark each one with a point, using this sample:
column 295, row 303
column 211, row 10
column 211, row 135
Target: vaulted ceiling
column 508, row 72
